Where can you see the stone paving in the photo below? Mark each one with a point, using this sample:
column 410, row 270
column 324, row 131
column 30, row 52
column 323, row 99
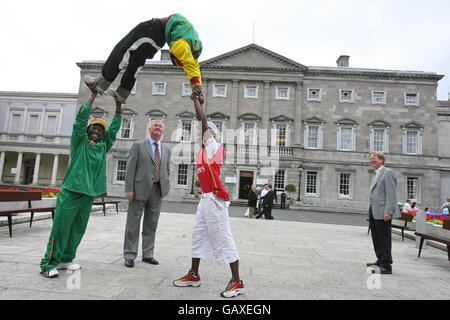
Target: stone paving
column 278, row 260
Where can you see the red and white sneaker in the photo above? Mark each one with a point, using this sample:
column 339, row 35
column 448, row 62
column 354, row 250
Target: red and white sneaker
column 233, row 289
column 190, row 280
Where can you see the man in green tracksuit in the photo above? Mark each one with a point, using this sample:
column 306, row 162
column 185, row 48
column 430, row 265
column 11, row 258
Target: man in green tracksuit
column 85, row 179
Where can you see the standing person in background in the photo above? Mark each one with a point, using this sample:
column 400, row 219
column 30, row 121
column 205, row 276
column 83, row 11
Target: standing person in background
column 85, row 179
column 146, row 183
column 383, row 207
column 407, row 206
column 252, row 199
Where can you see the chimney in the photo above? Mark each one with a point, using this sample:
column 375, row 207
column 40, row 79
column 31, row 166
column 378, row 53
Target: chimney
column 343, row 61
column 165, row 55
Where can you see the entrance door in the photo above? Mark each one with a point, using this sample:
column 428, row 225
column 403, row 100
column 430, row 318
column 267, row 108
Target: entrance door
column 245, row 183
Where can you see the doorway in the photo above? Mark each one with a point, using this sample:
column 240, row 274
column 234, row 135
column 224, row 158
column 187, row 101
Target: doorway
column 245, row 183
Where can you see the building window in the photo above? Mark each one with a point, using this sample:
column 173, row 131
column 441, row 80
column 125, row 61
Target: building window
column 379, row 140
column 412, row 188
column 313, row 136
column 345, row 95
column 378, row 97
column 279, row 179
column 249, row 133
column 346, row 139
column 33, row 124
column 182, row 178
column 51, row 126
column 126, row 129
column 311, row 187
column 345, row 185
column 282, row 93
column 281, row 135
column 220, row 125
column 121, row 168
column 159, row 88
column 186, row 89
column 219, row 90
column 411, row 99
column 251, row 92
column 185, row 130
column 15, row 123
column 412, row 142
column 314, row 94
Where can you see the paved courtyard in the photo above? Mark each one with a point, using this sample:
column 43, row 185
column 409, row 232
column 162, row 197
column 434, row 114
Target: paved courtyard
column 278, row 260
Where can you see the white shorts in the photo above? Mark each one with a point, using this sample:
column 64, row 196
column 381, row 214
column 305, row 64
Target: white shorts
column 212, row 232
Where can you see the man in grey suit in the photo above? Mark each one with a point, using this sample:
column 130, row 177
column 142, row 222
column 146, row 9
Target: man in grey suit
column 383, row 207
column 146, row 183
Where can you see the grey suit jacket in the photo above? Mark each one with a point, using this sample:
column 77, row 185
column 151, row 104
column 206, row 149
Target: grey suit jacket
column 383, row 194
column 141, row 169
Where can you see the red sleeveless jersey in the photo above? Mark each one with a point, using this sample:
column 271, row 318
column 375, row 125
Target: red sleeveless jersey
column 208, row 172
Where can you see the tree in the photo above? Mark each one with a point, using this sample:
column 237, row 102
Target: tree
column 290, row 188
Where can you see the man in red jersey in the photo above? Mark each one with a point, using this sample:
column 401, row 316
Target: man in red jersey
column 212, row 232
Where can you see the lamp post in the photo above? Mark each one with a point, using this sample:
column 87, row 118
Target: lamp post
column 300, row 169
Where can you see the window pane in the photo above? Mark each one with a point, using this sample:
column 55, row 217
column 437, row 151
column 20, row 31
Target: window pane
column 412, row 187
column 346, row 138
column 126, row 128
column 219, row 125
column 313, row 136
column 378, row 139
column 411, row 141
column 279, row 179
column 51, row 125
column 281, row 130
column 311, row 182
column 121, row 169
column 344, row 184
column 15, row 123
column 186, row 130
column 33, row 127
column 249, row 132
column 182, row 174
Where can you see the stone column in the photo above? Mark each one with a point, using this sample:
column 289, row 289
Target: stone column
column 234, row 106
column 297, row 126
column 36, row 169
column 2, row 163
column 18, row 168
column 55, row 170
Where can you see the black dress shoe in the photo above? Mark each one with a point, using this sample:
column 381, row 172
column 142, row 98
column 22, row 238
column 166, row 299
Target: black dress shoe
column 376, row 263
column 129, row 263
column 385, row 270
column 150, row 260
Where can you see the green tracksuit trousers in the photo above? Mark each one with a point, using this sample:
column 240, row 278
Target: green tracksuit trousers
column 71, row 217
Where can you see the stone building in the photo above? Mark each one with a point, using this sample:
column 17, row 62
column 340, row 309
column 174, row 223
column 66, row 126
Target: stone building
column 283, row 122
column 35, row 131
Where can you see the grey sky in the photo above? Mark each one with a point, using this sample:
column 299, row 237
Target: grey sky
column 42, row 40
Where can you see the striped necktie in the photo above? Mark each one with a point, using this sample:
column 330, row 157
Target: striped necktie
column 157, row 160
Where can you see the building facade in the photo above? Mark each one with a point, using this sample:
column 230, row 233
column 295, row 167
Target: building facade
column 282, row 122
column 35, row 131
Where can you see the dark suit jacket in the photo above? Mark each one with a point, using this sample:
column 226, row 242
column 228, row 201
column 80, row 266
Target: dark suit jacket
column 252, row 198
column 268, row 199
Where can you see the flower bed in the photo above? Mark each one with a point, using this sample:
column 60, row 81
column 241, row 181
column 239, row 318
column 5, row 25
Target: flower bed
column 436, row 218
column 46, row 192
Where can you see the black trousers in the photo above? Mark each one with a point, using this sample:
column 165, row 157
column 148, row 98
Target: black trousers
column 382, row 239
column 152, row 29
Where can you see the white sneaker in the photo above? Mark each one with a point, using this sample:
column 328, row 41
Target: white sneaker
column 52, row 273
column 72, row 266
column 90, row 80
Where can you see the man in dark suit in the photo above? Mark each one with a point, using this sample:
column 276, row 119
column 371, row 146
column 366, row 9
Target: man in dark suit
column 146, row 183
column 267, row 203
column 252, row 199
column 383, row 207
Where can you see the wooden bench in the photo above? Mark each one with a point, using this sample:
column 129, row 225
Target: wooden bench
column 406, row 217
column 446, row 225
column 105, row 202
column 15, row 196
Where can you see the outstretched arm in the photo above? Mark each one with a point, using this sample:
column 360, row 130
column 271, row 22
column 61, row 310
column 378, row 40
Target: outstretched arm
column 201, row 116
column 93, row 93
